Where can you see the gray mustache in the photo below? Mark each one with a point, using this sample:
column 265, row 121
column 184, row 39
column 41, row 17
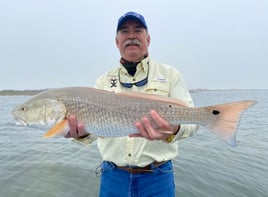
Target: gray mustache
column 132, row 42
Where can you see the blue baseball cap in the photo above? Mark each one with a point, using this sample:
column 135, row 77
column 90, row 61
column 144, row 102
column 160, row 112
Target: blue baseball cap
column 131, row 16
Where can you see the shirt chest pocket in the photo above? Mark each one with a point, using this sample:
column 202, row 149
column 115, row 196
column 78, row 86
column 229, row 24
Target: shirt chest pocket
column 158, row 88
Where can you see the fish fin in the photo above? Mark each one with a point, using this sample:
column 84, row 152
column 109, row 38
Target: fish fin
column 227, row 119
column 153, row 97
column 59, row 129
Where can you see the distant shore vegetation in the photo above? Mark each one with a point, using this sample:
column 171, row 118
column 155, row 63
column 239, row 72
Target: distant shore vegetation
column 20, row 92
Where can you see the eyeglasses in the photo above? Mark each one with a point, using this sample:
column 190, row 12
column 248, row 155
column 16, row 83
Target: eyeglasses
column 138, row 83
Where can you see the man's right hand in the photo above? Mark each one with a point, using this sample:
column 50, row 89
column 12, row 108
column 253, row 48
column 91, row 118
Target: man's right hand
column 77, row 130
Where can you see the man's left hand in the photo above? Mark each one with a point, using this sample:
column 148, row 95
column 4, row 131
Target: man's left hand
column 161, row 131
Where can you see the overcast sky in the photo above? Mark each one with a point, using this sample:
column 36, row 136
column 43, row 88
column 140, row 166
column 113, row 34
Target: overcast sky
column 215, row 44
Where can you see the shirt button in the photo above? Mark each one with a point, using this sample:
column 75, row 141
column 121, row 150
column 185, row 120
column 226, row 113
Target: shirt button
column 129, row 154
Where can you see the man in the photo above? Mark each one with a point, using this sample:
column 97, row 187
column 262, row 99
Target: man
column 139, row 165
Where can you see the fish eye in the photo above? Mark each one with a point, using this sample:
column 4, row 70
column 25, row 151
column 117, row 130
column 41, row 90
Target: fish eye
column 23, row 109
column 215, row 112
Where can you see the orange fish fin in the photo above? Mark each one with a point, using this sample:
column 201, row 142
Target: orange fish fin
column 227, row 118
column 153, row 97
column 59, row 129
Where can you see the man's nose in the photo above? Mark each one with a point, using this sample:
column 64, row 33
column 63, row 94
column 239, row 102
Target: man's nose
column 132, row 36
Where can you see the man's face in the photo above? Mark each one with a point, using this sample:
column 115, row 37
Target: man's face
column 133, row 41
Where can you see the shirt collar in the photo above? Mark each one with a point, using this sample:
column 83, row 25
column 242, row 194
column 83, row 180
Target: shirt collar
column 143, row 65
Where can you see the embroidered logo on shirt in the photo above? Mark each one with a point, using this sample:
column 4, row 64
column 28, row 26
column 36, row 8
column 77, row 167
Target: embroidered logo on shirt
column 113, row 81
column 161, row 79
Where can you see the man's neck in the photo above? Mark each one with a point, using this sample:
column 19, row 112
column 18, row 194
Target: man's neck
column 125, row 61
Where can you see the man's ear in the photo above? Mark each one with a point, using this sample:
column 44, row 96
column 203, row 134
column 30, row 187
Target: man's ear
column 116, row 41
column 148, row 39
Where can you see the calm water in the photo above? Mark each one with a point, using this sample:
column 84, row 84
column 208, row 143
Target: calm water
column 34, row 167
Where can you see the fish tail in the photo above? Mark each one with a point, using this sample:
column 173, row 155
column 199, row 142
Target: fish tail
column 227, row 119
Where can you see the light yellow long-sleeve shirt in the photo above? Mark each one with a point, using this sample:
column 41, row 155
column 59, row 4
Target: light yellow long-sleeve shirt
column 162, row 80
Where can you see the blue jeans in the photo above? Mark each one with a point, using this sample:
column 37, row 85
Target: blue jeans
column 116, row 182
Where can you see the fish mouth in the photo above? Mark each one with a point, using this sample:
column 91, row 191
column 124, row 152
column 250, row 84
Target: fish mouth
column 19, row 121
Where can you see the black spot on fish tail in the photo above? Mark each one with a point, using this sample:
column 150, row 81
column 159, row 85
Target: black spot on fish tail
column 215, row 112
